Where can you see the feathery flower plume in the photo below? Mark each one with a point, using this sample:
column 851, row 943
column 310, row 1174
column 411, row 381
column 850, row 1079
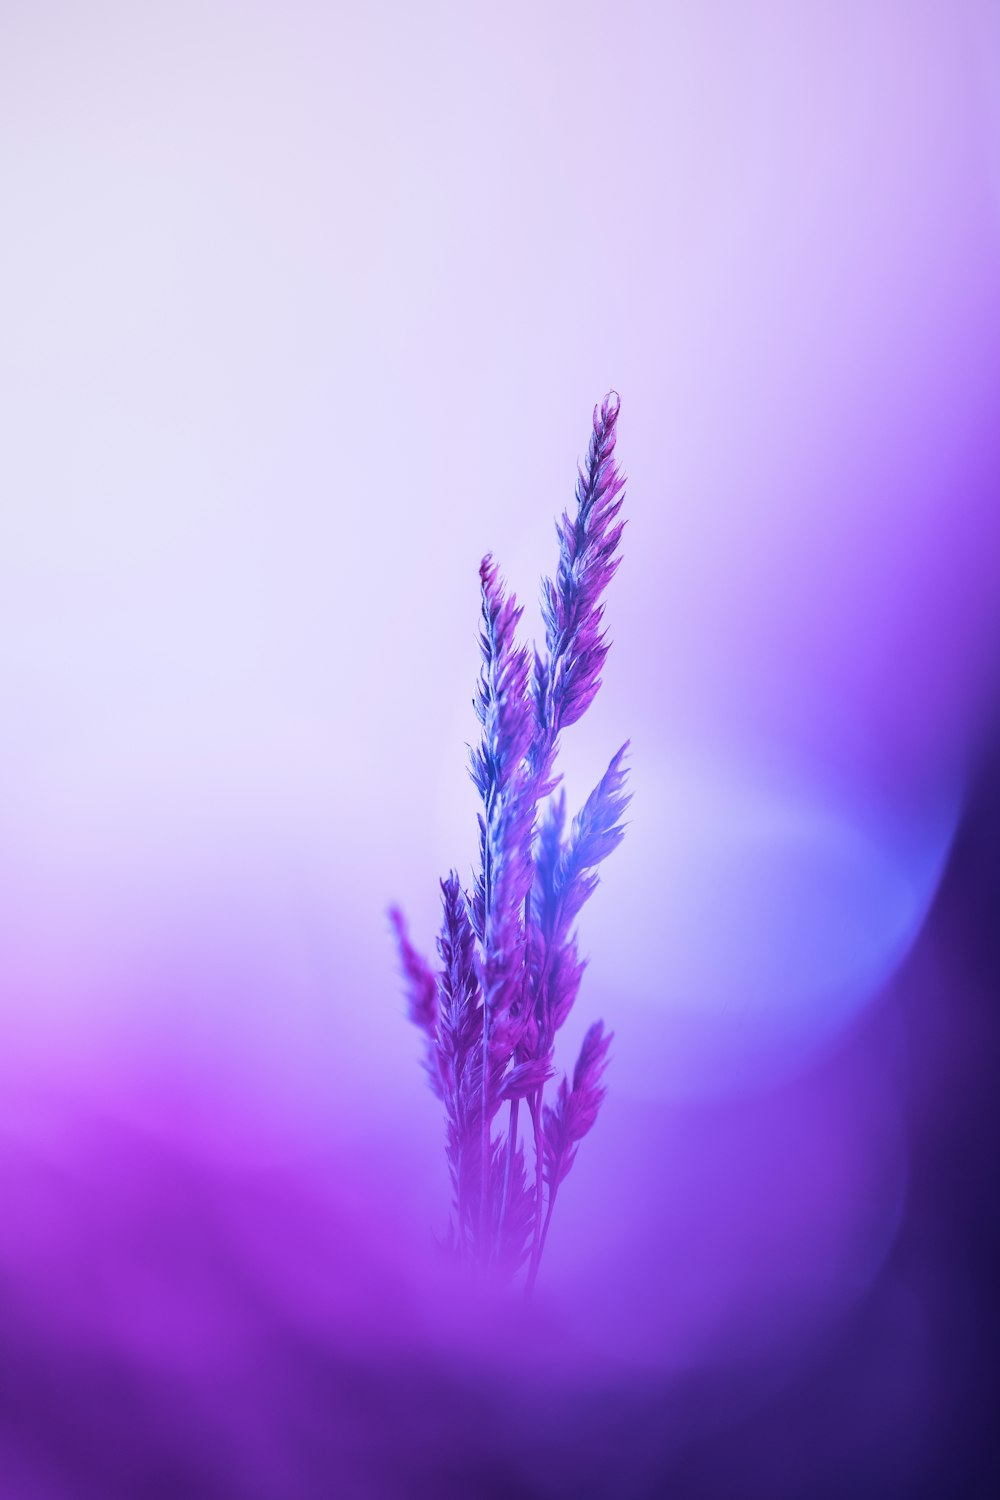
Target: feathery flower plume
column 510, row 969
column 420, row 987
column 502, row 776
column 574, row 1113
column 566, row 679
column 500, row 771
column 564, row 684
column 459, row 1065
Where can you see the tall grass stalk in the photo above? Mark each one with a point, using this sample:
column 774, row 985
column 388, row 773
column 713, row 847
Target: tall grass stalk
column 509, row 970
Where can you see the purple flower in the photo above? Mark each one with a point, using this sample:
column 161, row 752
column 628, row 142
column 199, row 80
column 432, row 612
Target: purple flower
column 566, row 679
column 575, row 1110
column 510, row 969
column 420, row 987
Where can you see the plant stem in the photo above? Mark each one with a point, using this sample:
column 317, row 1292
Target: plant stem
column 508, row 1182
column 536, row 1257
column 545, row 1226
column 534, row 1104
column 484, row 1196
column 487, row 905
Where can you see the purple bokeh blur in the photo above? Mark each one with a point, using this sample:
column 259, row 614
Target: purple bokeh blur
column 303, row 309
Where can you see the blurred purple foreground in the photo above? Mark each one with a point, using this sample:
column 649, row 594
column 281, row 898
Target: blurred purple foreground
column 798, row 1300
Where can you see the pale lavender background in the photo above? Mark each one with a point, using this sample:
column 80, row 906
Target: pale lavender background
column 302, row 309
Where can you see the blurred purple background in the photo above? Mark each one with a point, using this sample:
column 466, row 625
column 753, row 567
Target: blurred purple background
column 303, row 309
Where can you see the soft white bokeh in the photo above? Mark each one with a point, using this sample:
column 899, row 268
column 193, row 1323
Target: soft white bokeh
column 303, row 309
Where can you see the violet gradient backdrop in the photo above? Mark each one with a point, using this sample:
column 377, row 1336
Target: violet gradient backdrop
column 302, row 309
